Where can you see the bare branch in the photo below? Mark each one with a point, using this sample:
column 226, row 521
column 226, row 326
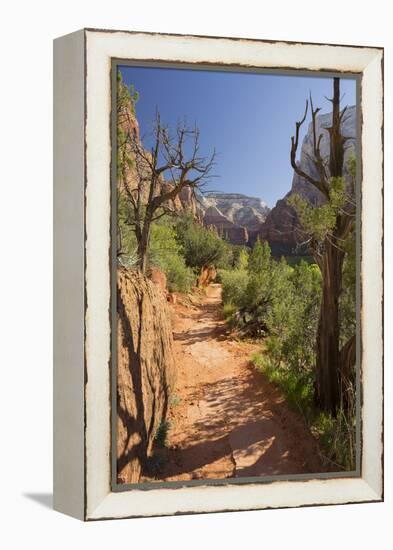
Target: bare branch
column 294, row 147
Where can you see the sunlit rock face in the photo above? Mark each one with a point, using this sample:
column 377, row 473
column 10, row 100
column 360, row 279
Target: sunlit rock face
column 146, row 369
column 234, row 215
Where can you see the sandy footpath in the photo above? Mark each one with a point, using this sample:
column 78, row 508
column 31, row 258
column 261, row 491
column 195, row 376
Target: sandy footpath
column 226, row 419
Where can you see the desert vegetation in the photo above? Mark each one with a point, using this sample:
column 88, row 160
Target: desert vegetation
column 294, row 314
column 278, row 304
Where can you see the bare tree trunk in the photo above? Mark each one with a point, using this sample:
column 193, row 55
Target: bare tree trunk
column 328, row 336
column 143, row 246
column 329, row 255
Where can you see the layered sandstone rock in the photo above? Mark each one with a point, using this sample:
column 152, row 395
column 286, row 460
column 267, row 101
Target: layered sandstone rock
column 158, row 277
column 240, row 209
column 234, row 215
column 236, row 234
column 207, row 276
column 145, row 370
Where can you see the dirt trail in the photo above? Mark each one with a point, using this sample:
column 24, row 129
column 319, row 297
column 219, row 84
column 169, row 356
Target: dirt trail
column 226, row 419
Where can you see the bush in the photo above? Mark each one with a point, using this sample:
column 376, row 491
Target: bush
column 180, row 278
column 234, row 283
column 282, row 300
column 165, row 252
column 259, row 260
column 180, row 247
column 294, row 312
column 240, row 256
column 161, row 436
column 202, row 246
column 229, row 310
column 347, row 311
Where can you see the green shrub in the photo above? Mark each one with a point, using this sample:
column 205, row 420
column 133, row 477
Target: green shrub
column 259, row 260
column 347, row 309
column 241, row 256
column 162, row 431
column 166, row 253
column 281, row 300
column 229, row 310
column 234, row 283
column 180, row 278
column 202, row 246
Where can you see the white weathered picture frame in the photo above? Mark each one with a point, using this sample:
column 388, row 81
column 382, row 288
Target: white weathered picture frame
column 82, row 333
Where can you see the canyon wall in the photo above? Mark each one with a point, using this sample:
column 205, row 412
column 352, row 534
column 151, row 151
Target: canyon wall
column 145, row 370
column 237, row 217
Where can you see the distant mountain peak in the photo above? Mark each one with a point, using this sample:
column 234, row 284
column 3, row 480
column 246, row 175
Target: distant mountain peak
column 238, row 215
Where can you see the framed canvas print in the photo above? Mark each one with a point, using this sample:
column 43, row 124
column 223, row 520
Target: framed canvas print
column 218, row 274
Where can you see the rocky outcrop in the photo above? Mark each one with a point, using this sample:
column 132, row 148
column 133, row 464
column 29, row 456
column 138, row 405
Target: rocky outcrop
column 191, row 203
column 207, row 276
column 145, row 370
column 158, row 277
column 246, row 211
column 281, row 227
column 235, row 216
column 235, row 234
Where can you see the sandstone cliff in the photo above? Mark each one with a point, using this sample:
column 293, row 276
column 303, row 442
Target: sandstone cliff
column 235, row 234
column 280, row 226
column 146, row 370
column 234, row 215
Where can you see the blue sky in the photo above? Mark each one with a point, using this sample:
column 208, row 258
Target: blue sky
column 248, row 118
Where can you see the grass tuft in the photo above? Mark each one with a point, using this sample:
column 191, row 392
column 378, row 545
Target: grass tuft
column 336, row 436
column 174, row 400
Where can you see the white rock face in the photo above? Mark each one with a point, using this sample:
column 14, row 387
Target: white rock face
column 348, row 129
column 239, row 209
column 280, row 225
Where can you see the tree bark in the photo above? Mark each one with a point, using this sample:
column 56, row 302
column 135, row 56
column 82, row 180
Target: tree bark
column 329, row 255
column 328, row 336
column 328, row 360
column 143, row 246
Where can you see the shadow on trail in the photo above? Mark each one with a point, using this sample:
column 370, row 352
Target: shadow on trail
column 214, row 326
column 231, row 421
column 235, row 423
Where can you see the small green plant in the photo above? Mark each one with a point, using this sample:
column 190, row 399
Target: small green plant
column 229, row 310
column 155, row 464
column 296, row 386
column 161, row 437
column 336, row 436
column 174, row 400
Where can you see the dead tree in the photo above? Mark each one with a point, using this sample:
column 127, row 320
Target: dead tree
column 331, row 362
column 159, row 174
